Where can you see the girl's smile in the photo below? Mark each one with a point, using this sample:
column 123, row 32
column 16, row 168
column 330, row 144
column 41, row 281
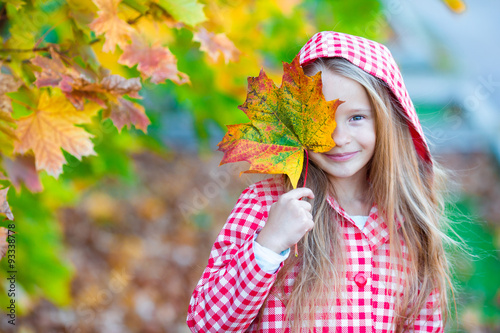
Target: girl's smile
column 341, row 157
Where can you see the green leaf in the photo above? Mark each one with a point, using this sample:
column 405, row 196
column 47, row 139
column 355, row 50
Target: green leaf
column 137, row 5
column 43, row 268
column 187, row 11
column 16, row 3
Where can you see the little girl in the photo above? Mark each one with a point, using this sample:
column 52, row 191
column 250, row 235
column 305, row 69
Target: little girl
column 370, row 238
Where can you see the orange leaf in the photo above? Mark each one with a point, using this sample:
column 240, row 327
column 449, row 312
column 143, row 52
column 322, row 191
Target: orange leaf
column 53, row 70
column 4, row 205
column 126, row 113
column 116, row 30
column 283, row 122
column 52, row 127
column 154, row 62
column 75, row 84
column 214, row 45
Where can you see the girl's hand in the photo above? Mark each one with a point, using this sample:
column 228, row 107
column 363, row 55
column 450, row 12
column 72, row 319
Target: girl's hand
column 289, row 220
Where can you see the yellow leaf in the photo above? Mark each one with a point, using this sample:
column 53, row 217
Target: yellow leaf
column 52, row 127
column 457, row 6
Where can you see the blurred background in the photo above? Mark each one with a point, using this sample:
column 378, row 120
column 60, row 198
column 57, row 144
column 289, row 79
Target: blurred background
column 118, row 242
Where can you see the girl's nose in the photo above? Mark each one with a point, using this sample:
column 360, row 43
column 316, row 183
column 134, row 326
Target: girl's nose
column 341, row 135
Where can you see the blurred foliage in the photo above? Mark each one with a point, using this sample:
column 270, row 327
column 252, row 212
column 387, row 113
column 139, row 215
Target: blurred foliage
column 119, row 240
column 475, row 218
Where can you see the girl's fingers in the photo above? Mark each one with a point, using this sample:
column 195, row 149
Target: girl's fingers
column 305, row 205
column 299, row 193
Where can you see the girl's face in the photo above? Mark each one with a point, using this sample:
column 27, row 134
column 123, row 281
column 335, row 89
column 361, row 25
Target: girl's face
column 354, row 134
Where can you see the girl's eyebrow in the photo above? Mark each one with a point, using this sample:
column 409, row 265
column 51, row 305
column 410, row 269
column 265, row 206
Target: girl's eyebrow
column 360, row 110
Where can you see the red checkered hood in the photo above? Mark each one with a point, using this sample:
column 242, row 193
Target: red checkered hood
column 373, row 58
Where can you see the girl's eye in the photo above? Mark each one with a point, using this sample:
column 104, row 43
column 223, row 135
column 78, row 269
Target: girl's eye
column 356, row 118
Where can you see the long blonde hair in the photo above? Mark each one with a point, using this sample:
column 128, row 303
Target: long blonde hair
column 403, row 185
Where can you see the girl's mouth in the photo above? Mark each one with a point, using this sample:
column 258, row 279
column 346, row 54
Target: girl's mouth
column 341, row 157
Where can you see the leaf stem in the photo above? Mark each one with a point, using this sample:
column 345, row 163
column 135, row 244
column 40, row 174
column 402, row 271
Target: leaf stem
column 40, row 49
column 24, row 104
column 307, row 164
column 305, row 180
column 41, row 39
column 134, row 21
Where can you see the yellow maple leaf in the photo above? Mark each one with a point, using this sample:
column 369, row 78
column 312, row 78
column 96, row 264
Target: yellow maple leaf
column 116, row 30
column 52, row 127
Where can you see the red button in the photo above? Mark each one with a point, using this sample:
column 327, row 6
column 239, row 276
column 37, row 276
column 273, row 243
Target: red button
column 360, row 279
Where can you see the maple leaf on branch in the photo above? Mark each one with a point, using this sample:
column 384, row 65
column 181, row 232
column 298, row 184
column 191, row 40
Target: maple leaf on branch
column 283, row 123
column 52, row 127
column 154, row 62
column 215, row 45
column 79, row 84
column 53, row 69
column 115, row 30
column 126, row 112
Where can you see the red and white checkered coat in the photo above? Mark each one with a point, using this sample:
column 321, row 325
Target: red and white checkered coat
column 233, row 288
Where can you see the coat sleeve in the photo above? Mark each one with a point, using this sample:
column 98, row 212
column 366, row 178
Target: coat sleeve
column 430, row 318
column 232, row 288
